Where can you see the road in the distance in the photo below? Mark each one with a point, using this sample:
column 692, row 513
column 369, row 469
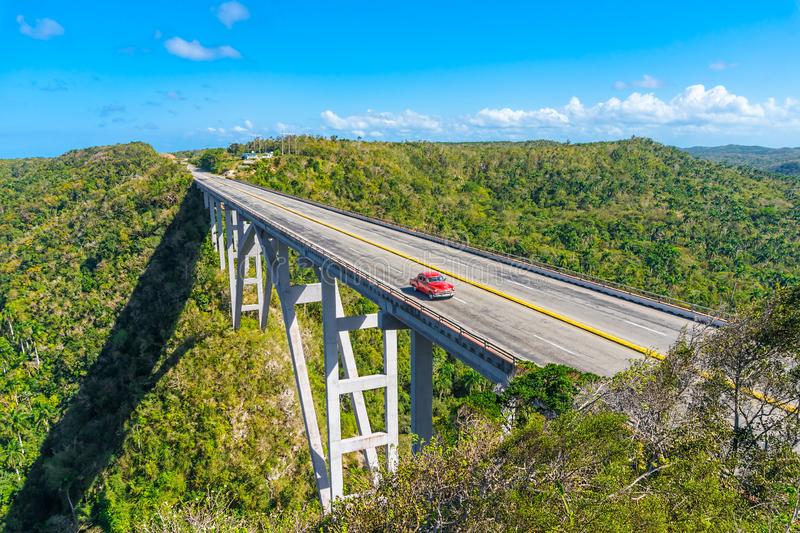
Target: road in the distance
column 522, row 331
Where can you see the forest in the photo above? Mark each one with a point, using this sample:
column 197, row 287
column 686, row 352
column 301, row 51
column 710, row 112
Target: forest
column 634, row 212
column 785, row 161
column 133, row 406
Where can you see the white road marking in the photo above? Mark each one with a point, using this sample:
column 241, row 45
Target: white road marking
column 645, row 327
column 459, row 299
column 395, row 268
column 556, row 345
column 517, row 283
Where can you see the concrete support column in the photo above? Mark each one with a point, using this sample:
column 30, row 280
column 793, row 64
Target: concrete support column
column 236, row 229
column 278, row 258
column 263, row 293
column 230, row 217
column 330, row 333
column 220, row 234
column 390, row 397
column 421, row 389
column 265, row 246
column 212, row 215
column 351, row 371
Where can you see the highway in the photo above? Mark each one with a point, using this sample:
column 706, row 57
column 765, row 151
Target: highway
column 492, row 299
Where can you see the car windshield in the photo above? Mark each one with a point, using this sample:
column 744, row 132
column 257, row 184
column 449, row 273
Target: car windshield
column 436, row 278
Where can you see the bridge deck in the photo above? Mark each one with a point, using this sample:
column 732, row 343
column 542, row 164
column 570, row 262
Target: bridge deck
column 522, row 331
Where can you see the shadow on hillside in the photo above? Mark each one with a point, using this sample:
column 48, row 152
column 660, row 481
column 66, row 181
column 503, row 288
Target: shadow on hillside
column 134, row 358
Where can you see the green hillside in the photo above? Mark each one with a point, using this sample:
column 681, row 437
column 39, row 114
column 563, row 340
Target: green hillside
column 779, row 160
column 129, row 404
column 127, row 391
column 634, row 212
column 118, row 362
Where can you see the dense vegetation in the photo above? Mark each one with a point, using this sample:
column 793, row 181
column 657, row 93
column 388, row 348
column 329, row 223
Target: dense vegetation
column 129, row 404
column 635, row 212
column 652, row 449
column 779, row 160
column 127, row 393
column 124, row 388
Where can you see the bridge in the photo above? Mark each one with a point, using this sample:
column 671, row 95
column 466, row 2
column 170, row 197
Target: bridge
column 505, row 310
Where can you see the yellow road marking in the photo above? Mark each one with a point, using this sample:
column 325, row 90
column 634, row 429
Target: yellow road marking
column 558, row 316
column 580, row 325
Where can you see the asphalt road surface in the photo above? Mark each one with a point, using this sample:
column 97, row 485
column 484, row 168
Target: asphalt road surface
column 527, row 333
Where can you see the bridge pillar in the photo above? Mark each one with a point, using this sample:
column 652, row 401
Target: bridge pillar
column 421, row 389
column 391, row 398
column 345, row 347
column 219, row 233
column 332, row 394
column 244, row 241
column 277, row 256
column 235, row 228
column 249, row 248
column 212, row 215
column 230, row 232
column 336, row 339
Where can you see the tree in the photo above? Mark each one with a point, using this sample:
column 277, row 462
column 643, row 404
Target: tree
column 547, row 390
column 759, row 352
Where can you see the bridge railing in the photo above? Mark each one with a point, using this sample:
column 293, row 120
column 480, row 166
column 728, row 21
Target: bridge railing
column 359, row 275
column 704, row 313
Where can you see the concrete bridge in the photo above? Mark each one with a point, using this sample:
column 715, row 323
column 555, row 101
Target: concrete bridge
column 505, row 309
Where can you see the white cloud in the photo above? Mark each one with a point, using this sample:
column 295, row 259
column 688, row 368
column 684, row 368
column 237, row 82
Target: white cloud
column 235, row 131
column 408, row 123
column 696, row 107
column 229, row 13
column 647, row 82
column 722, row 65
column 506, row 118
column 197, row 52
column 695, row 111
column 43, row 29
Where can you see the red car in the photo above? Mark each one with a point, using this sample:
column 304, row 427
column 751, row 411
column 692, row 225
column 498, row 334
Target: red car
column 433, row 284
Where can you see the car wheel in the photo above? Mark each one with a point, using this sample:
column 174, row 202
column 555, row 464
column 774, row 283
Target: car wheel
column 430, row 296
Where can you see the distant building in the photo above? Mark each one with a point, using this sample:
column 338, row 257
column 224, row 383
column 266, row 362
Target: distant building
column 253, row 156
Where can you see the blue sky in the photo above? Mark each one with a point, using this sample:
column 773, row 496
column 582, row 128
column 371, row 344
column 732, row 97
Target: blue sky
column 193, row 74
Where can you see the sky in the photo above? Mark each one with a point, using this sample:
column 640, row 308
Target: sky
column 191, row 74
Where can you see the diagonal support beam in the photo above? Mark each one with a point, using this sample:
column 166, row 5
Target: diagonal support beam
column 351, row 372
column 277, row 257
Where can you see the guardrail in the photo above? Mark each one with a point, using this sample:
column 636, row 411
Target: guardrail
column 697, row 312
column 365, row 277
